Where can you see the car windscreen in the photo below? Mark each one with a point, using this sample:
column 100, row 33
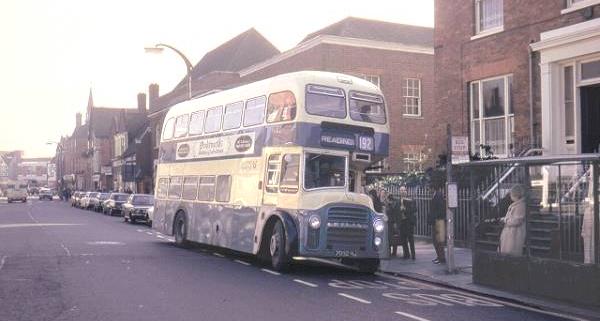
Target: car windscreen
column 325, row 101
column 120, row 197
column 103, row 196
column 143, row 200
column 367, row 107
column 324, row 171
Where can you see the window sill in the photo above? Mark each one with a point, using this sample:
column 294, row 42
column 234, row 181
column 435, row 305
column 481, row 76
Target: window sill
column 486, row 33
column 408, row 116
column 579, row 6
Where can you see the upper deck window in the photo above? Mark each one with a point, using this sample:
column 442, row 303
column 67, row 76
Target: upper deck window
column 255, row 111
column 325, row 101
column 281, row 107
column 196, row 123
column 169, row 129
column 181, row 125
column 213, row 119
column 367, row 107
column 233, row 115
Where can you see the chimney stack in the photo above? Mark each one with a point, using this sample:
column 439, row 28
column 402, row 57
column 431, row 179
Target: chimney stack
column 141, row 99
column 152, row 96
column 78, row 120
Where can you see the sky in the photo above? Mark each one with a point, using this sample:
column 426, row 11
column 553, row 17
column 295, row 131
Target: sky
column 53, row 52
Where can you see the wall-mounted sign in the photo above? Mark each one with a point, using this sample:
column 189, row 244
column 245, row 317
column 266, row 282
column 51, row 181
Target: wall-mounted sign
column 106, row 170
column 240, row 144
column 460, row 149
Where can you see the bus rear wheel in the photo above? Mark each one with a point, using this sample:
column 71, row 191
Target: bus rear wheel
column 180, row 230
column 279, row 258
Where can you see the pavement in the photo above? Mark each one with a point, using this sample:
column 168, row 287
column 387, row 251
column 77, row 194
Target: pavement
column 59, row 263
column 423, row 269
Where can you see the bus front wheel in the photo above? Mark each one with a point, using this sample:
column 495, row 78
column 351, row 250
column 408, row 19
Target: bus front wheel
column 279, row 258
column 180, row 231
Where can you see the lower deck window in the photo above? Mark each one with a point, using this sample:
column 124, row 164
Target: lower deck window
column 206, row 188
column 223, row 188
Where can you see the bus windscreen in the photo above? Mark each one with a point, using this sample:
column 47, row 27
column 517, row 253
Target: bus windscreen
column 324, row 171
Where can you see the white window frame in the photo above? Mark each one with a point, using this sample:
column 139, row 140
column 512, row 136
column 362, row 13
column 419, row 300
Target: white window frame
column 406, row 97
column 574, row 6
column 482, row 33
column 508, row 116
column 374, row 79
column 570, row 141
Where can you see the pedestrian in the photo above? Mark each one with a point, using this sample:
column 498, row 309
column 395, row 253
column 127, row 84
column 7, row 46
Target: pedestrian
column 408, row 211
column 437, row 219
column 513, row 233
column 392, row 211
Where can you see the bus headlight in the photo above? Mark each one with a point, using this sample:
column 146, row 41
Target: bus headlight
column 314, row 221
column 377, row 241
column 378, row 226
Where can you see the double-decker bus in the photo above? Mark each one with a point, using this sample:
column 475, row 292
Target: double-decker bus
column 276, row 168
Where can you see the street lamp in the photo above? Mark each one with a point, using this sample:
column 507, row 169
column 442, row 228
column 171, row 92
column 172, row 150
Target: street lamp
column 158, row 48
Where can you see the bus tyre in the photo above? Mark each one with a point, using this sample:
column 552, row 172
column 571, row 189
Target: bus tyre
column 368, row 266
column 279, row 259
column 180, row 231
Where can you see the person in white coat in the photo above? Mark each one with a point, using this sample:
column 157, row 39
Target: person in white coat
column 513, row 234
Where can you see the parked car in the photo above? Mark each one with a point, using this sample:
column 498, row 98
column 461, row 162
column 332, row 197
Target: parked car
column 114, row 203
column 45, row 194
column 83, row 201
column 92, row 201
column 75, row 198
column 136, row 207
column 97, row 202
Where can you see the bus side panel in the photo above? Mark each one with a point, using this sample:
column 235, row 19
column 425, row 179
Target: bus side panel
column 159, row 221
column 239, row 227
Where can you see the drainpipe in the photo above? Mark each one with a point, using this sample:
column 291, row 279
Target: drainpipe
column 531, row 142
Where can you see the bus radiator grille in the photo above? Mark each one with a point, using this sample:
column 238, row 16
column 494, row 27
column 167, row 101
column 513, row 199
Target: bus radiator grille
column 347, row 228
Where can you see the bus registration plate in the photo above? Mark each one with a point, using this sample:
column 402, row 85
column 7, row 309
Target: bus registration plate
column 345, row 253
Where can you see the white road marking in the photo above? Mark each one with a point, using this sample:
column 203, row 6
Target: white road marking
column 242, row 262
column 218, row 254
column 408, row 315
column 140, row 230
column 506, row 303
column 2, row 260
column 105, row 243
column 149, row 233
column 66, row 249
column 31, row 216
column 36, row 225
column 160, row 236
column 270, row 272
column 348, row 296
column 312, row 285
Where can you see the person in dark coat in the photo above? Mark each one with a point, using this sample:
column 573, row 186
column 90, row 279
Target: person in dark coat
column 437, row 219
column 408, row 218
column 392, row 211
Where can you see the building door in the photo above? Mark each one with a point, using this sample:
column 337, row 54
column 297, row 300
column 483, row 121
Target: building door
column 590, row 119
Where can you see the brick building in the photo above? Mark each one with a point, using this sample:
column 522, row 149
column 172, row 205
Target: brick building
column 71, row 151
column 512, row 74
column 131, row 150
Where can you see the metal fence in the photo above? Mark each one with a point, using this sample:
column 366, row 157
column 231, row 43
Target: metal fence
column 559, row 216
column 463, row 218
